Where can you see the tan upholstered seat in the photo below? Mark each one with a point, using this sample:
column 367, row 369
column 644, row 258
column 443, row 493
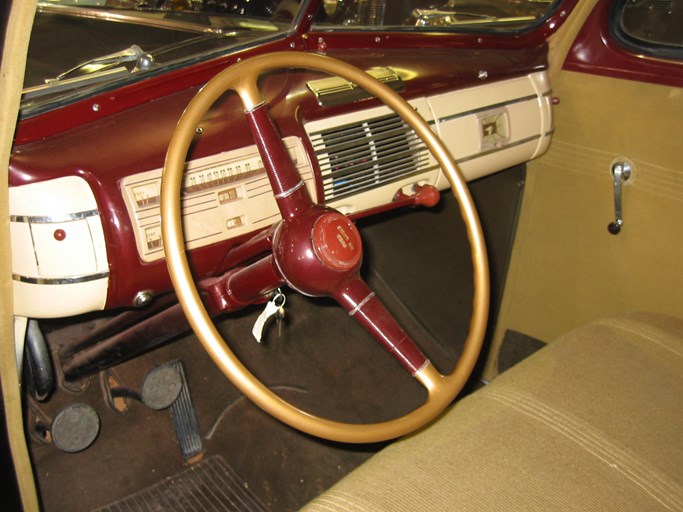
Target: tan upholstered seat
column 593, row 422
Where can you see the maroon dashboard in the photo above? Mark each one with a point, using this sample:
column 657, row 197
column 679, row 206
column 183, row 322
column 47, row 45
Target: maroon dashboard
column 489, row 94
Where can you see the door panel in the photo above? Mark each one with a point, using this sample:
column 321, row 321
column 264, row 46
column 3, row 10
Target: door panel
column 566, row 268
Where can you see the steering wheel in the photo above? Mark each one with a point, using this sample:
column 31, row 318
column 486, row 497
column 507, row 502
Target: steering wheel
column 316, row 251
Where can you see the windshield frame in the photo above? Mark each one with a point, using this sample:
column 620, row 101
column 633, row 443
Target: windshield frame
column 39, row 102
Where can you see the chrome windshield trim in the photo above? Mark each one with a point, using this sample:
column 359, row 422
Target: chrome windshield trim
column 140, row 19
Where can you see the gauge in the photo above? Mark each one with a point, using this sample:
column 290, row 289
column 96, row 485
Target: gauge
column 153, row 237
column 494, row 128
column 218, row 175
column 147, row 194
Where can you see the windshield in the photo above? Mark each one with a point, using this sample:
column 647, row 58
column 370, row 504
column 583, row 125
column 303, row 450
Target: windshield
column 428, row 15
column 80, row 47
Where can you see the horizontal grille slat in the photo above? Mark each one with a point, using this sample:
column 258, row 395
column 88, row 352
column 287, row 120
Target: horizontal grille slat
column 407, row 165
column 377, row 123
column 344, row 189
column 361, row 156
column 350, row 159
column 356, row 140
column 387, row 164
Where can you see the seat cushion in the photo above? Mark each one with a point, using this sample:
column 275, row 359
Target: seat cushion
column 592, row 422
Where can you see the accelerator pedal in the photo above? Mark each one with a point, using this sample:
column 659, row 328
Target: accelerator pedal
column 166, row 386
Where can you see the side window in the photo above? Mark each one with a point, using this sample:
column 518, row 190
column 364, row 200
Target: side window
column 654, row 27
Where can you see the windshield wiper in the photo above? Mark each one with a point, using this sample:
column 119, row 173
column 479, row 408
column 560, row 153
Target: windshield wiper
column 439, row 17
column 135, row 54
column 95, row 70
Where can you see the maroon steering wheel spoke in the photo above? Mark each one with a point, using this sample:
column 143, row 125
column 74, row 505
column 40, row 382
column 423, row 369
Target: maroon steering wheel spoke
column 361, row 303
column 289, row 189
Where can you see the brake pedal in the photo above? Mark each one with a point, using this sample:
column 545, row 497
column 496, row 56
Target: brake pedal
column 166, row 386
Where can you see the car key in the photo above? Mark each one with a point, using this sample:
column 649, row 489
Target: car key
column 274, row 308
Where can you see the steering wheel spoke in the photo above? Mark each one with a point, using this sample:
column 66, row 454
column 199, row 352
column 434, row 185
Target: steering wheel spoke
column 288, row 188
column 361, row 303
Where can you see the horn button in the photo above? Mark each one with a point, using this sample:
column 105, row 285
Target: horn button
column 315, row 253
column 336, row 242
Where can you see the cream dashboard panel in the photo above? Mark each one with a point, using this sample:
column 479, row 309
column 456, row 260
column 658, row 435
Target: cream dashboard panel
column 59, row 258
column 224, row 196
column 495, row 126
column 365, row 158
column 487, row 128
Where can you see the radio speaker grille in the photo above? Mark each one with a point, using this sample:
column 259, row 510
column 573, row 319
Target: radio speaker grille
column 361, row 156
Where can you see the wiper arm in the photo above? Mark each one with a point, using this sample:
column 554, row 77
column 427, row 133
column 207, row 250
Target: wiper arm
column 110, row 67
column 439, row 17
column 93, row 71
column 135, row 54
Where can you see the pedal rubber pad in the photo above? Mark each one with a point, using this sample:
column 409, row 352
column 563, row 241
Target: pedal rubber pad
column 161, row 387
column 75, row 428
column 167, row 386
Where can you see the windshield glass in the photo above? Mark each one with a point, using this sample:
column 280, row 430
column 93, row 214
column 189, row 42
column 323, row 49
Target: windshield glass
column 80, row 47
column 428, row 15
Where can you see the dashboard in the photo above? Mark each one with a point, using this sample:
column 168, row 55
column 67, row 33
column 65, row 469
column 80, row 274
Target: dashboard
column 92, row 240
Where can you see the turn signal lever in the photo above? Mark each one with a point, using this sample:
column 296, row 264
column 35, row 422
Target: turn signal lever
column 621, row 172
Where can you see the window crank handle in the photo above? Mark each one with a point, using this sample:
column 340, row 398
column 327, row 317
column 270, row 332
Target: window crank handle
column 621, row 171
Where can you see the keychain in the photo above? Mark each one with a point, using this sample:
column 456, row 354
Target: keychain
column 274, row 308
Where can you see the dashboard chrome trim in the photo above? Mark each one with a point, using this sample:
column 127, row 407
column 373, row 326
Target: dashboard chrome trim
column 54, row 219
column 60, row 280
column 502, row 147
column 502, row 104
column 335, row 90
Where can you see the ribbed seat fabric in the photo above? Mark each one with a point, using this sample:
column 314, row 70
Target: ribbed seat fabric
column 592, row 422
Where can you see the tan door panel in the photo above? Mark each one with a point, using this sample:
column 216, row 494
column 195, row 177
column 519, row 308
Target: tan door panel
column 566, row 268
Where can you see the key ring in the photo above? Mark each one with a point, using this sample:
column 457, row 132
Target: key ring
column 279, row 296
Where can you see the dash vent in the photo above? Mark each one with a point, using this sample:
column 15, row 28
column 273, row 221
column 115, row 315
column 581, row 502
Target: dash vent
column 361, row 156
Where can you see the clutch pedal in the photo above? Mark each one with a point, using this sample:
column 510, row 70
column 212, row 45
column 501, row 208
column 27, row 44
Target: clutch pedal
column 75, row 428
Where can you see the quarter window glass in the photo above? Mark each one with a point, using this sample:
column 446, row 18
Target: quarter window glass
column 655, row 26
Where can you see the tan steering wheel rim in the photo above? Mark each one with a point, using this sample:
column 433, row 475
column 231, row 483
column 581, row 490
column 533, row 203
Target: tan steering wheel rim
column 242, row 78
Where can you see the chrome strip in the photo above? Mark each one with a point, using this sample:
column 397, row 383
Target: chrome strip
column 335, row 90
column 361, row 304
column 48, row 219
column 60, row 280
column 489, row 107
column 251, row 109
column 139, row 19
column 289, row 192
column 501, row 148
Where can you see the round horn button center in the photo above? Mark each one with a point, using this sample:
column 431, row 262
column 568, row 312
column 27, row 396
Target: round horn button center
column 337, row 242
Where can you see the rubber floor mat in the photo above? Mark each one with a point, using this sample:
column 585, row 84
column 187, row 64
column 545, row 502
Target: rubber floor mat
column 208, row 485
